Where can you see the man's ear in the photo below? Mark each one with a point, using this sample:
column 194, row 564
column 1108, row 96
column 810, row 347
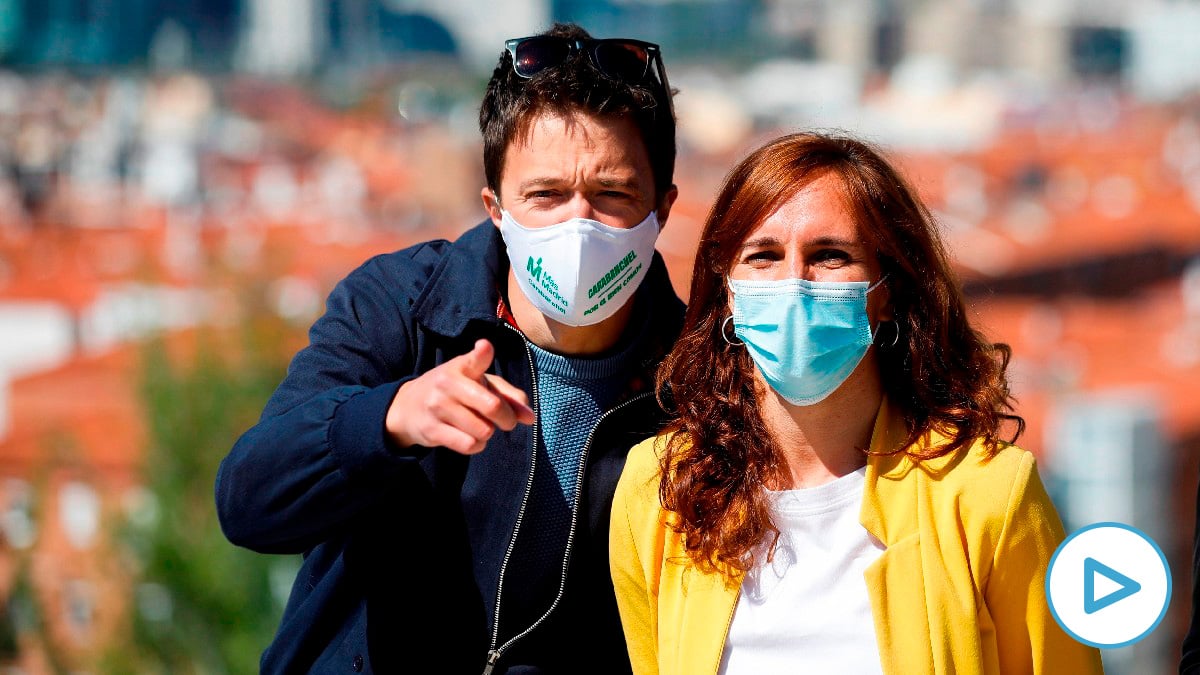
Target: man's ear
column 491, row 202
column 665, row 204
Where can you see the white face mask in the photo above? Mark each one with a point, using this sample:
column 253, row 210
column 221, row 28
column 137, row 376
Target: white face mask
column 579, row 272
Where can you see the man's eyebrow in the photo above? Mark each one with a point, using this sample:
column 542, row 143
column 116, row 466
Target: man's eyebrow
column 629, row 183
column 546, row 181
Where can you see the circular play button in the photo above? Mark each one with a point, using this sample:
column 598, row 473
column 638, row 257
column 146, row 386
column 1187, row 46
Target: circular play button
column 1108, row 585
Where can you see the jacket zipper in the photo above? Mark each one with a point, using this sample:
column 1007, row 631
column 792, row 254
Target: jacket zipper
column 494, row 652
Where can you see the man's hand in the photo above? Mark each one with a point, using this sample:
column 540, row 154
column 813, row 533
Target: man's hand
column 457, row 405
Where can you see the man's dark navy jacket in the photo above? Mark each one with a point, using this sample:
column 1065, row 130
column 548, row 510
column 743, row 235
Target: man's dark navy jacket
column 403, row 546
column 1189, row 662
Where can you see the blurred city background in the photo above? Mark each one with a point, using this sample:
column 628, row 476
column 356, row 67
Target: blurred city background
column 183, row 181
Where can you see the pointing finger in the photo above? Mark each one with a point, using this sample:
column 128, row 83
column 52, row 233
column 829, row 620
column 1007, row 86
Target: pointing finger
column 477, row 361
column 516, row 398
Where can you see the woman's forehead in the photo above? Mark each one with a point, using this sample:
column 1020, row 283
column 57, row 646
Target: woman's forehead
column 817, row 211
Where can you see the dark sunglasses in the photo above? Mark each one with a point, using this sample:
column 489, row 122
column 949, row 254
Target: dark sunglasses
column 619, row 58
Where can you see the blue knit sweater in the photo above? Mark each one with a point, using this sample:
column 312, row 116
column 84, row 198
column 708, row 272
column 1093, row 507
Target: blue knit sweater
column 573, row 393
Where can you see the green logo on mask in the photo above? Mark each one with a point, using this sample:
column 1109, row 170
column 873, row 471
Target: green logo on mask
column 534, row 269
column 612, row 274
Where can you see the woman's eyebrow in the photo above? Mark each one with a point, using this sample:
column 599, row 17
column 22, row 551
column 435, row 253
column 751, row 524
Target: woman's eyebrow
column 767, row 241
column 761, row 242
column 834, row 241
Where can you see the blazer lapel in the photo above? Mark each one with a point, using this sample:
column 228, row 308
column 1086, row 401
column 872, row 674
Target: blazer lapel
column 916, row 605
column 704, row 611
column 896, row 581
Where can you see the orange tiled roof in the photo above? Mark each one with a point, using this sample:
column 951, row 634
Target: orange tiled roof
column 86, row 411
column 1128, row 195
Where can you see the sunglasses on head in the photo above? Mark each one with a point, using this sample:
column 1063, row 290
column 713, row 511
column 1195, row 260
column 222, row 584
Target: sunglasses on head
column 622, row 59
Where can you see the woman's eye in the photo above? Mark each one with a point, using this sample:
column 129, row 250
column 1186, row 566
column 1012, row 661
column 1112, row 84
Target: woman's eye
column 761, row 257
column 832, row 256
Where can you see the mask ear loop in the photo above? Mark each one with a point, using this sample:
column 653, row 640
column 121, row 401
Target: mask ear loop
column 895, row 324
column 729, row 342
column 877, row 283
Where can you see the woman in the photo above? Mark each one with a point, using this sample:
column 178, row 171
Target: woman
column 832, row 495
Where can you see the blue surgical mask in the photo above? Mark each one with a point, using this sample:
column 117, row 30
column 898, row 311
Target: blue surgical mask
column 806, row 337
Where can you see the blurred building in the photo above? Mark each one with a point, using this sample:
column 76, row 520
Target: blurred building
column 281, row 37
column 686, row 29
column 1146, row 44
column 104, row 33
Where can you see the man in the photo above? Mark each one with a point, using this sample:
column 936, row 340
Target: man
column 445, row 450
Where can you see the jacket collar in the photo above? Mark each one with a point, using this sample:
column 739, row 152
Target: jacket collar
column 889, row 507
column 916, row 597
column 465, row 287
column 884, row 477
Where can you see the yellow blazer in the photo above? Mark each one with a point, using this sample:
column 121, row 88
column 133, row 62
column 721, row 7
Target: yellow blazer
column 959, row 589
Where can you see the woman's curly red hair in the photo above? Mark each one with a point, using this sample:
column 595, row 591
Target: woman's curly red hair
column 942, row 375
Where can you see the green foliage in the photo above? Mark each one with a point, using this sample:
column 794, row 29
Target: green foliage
column 18, row 614
column 8, row 635
column 29, row 617
column 199, row 604
column 25, row 614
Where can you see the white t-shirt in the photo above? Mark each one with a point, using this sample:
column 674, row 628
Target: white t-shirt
column 807, row 610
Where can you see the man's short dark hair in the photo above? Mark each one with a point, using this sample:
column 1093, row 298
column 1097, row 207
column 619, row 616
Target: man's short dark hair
column 575, row 86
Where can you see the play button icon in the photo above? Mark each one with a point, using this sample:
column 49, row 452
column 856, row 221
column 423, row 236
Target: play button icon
column 1092, row 568
column 1108, row 585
